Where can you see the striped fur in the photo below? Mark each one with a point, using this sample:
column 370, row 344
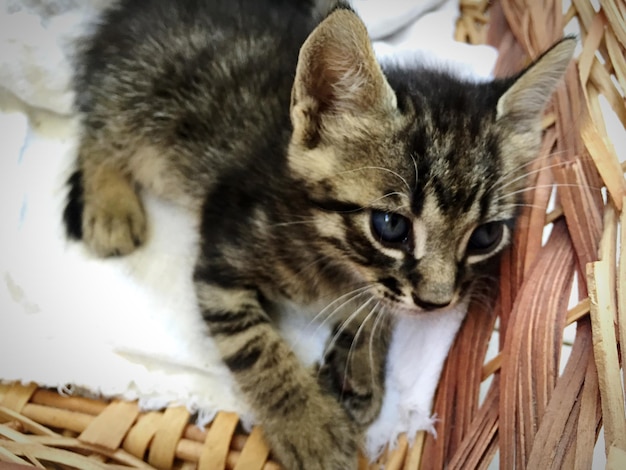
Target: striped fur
column 299, row 184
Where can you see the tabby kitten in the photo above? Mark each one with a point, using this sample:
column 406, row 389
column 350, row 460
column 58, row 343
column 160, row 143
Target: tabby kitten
column 320, row 179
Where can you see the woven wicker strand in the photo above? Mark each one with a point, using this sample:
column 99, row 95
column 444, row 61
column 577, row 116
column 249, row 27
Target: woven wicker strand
column 535, row 416
column 536, row 412
column 115, row 431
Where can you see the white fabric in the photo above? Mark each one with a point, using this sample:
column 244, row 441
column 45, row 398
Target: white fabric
column 129, row 327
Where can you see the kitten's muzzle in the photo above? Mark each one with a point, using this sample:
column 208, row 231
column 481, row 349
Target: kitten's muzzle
column 435, row 296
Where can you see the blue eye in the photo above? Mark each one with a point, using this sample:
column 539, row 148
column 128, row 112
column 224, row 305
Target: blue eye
column 389, row 227
column 485, row 238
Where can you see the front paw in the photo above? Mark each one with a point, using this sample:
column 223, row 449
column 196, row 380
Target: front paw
column 357, row 386
column 114, row 223
column 319, row 437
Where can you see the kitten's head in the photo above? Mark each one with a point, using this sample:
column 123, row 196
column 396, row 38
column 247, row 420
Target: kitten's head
column 414, row 176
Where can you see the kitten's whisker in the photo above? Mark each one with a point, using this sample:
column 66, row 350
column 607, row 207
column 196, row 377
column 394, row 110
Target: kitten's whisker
column 333, row 340
column 343, row 326
column 544, row 186
column 349, row 296
column 355, row 340
column 395, row 193
column 533, row 206
column 504, row 182
column 542, row 165
column 333, row 297
column 399, row 176
column 380, row 315
column 516, row 169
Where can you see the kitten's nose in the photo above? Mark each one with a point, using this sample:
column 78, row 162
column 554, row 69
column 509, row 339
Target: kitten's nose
column 423, row 304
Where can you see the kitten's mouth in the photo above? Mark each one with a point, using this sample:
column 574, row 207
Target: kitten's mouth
column 402, row 308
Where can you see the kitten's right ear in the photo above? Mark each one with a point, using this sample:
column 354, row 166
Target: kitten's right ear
column 337, row 74
column 527, row 97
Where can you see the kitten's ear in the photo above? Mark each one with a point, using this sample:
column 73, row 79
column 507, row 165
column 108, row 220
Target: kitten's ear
column 337, row 73
column 526, row 98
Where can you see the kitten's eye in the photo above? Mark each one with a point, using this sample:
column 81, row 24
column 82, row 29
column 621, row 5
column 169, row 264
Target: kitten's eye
column 389, row 227
column 485, row 238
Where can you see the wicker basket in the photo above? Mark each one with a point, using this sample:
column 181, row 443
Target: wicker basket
column 536, row 412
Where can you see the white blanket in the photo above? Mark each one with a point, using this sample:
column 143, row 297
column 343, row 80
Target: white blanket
column 129, row 327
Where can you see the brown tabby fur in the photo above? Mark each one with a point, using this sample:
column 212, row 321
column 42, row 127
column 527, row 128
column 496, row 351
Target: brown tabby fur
column 320, row 179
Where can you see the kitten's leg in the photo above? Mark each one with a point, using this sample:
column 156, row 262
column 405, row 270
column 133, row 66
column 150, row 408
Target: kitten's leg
column 354, row 363
column 113, row 219
column 305, row 426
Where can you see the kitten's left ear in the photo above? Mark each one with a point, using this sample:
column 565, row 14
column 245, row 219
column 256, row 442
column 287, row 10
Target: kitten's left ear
column 337, row 74
column 525, row 100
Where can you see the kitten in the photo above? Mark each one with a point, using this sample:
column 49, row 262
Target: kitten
column 320, row 180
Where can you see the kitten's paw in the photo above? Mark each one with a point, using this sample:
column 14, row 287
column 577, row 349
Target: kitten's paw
column 359, row 389
column 114, row 222
column 362, row 400
column 318, row 438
